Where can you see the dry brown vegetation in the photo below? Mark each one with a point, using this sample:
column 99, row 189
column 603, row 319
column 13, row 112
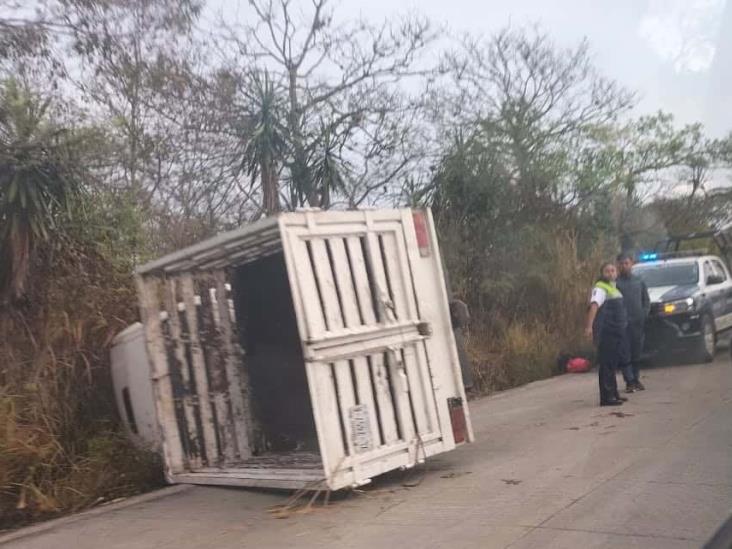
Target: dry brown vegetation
column 509, row 348
column 60, row 448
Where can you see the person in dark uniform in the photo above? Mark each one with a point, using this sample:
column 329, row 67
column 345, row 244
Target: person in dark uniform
column 460, row 318
column 607, row 325
column 638, row 305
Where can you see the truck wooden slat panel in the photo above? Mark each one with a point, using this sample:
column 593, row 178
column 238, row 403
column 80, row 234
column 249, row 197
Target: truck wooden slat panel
column 150, row 312
column 198, row 366
column 213, row 353
column 238, row 382
column 181, row 363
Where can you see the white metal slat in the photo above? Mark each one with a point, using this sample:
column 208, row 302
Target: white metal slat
column 386, row 417
column 367, row 343
column 361, row 280
column 434, row 346
column 406, row 273
column 407, row 369
column 199, row 370
column 397, row 268
column 311, row 323
column 397, row 375
column 238, row 383
column 400, row 387
column 150, row 312
column 171, row 306
column 373, row 257
column 420, row 401
column 352, row 319
column 324, row 274
column 426, row 381
column 393, row 271
column 407, row 251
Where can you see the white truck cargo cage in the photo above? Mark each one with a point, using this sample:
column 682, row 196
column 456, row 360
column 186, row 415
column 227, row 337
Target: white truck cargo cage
column 330, row 361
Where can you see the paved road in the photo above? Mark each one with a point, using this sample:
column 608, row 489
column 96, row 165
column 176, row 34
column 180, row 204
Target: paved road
column 551, row 469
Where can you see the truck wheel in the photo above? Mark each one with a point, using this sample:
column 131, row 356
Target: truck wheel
column 707, row 343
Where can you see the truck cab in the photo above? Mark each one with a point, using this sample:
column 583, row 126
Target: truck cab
column 691, row 303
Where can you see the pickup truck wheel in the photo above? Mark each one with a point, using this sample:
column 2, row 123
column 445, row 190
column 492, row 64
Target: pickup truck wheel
column 707, row 343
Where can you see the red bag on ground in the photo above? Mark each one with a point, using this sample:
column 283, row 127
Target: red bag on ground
column 578, row 365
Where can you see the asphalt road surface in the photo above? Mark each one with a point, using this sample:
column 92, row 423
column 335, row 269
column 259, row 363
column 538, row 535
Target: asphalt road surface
column 550, row 469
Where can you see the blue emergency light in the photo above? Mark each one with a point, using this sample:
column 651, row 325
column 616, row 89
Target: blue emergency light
column 648, row 256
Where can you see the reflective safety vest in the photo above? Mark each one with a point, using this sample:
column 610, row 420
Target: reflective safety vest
column 611, row 291
column 612, row 317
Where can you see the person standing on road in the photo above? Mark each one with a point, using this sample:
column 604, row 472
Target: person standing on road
column 607, row 326
column 638, row 305
column 460, row 318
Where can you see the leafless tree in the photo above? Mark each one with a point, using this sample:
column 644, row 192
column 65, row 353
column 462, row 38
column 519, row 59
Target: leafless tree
column 346, row 111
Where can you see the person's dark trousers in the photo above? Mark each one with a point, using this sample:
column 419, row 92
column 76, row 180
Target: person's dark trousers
column 463, row 358
column 636, row 337
column 611, row 355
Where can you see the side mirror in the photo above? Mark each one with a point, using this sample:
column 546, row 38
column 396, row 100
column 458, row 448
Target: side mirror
column 714, row 279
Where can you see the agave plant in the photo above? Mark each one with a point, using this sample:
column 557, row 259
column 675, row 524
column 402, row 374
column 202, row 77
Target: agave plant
column 35, row 186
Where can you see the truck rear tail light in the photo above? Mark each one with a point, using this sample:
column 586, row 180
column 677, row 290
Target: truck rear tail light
column 423, row 236
column 457, row 418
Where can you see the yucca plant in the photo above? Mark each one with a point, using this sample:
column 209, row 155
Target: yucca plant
column 35, row 182
column 265, row 142
column 329, row 171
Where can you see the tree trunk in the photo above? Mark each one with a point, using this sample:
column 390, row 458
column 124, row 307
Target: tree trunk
column 300, row 172
column 270, row 190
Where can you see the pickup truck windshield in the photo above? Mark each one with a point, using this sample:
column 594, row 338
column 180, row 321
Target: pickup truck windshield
column 668, row 275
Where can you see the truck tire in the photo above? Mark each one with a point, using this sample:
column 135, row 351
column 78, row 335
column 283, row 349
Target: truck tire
column 707, row 344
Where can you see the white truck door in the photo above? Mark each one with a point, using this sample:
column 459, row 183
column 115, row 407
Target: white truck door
column 380, row 355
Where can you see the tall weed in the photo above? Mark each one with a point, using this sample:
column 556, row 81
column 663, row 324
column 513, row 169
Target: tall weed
column 60, row 448
column 534, row 312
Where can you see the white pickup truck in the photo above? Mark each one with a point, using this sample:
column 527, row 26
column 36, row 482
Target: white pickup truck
column 691, row 303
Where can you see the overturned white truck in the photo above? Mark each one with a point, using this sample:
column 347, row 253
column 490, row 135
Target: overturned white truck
column 307, row 350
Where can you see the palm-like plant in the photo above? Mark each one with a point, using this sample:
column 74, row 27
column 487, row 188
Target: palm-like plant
column 265, row 143
column 35, row 186
column 329, row 171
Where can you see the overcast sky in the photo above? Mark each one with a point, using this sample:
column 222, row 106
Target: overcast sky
column 676, row 53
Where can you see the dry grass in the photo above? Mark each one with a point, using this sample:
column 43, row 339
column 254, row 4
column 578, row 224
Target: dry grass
column 60, row 449
column 539, row 318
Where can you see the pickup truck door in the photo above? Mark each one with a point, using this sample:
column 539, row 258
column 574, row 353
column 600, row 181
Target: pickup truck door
column 723, row 318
